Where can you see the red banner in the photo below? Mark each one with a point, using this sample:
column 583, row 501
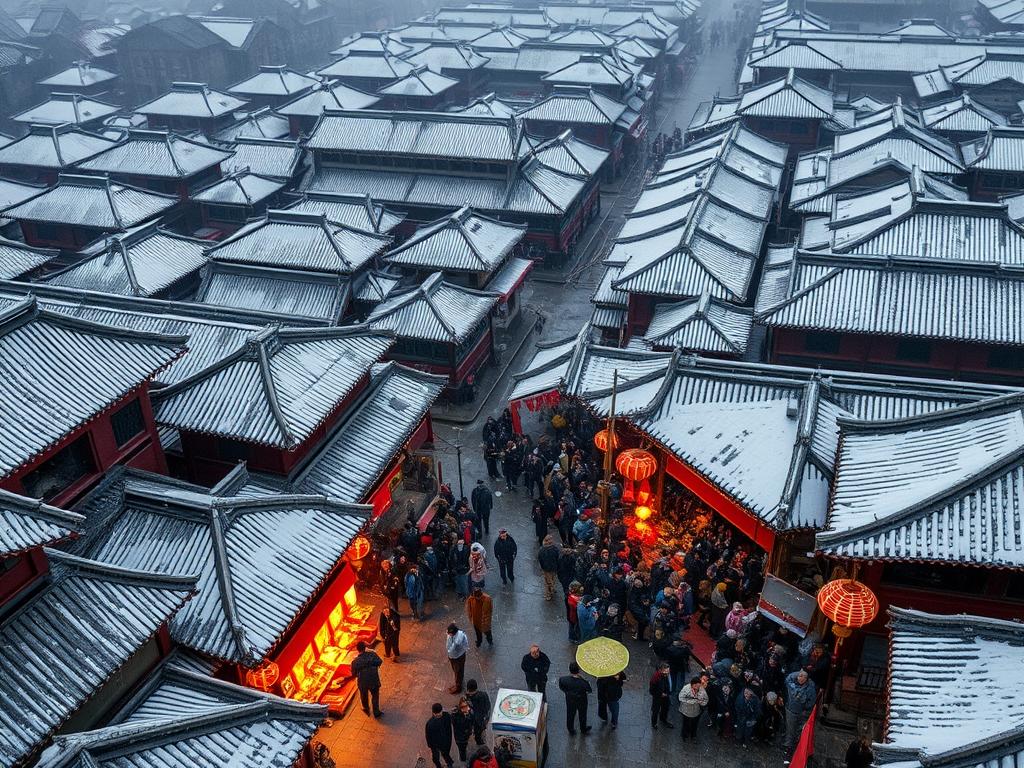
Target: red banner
column 805, row 747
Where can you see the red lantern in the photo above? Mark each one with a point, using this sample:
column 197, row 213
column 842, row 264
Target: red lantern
column 848, row 603
column 358, row 549
column 636, row 464
column 601, row 440
column 264, row 676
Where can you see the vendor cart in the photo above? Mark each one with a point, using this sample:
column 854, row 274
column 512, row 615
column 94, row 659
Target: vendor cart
column 518, row 725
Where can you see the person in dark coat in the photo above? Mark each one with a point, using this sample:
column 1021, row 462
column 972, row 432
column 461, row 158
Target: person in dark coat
column 390, row 584
column 747, row 710
column 660, row 688
column 390, row 628
column 577, row 696
column 540, row 522
column 535, row 666
column 566, row 568
column 483, row 502
column 548, row 557
column 364, row 670
column 481, row 704
column 859, row 753
column 438, row 732
column 609, row 693
column 505, row 551
column 462, row 726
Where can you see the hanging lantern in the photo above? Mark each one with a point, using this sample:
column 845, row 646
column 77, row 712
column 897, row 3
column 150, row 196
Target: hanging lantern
column 601, row 440
column 358, row 549
column 264, row 676
column 636, row 464
column 643, row 512
column 848, row 603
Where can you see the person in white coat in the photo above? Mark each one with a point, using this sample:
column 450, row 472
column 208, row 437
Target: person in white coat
column 692, row 700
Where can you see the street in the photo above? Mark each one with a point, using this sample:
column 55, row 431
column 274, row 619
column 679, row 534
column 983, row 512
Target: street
column 521, row 616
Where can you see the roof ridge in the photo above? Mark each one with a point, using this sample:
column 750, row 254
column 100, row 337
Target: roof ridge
column 97, row 568
column 265, row 344
column 222, row 570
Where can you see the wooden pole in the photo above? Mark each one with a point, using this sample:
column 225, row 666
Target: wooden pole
column 604, row 487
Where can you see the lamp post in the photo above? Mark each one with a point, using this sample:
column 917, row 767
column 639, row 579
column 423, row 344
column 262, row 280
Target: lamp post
column 604, row 487
column 458, row 456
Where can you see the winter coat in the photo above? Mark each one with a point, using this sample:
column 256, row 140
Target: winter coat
column 438, row 732
column 481, row 704
column 610, row 688
column 479, row 610
column 459, row 560
column 747, row 710
column 364, row 670
column 505, row 549
column 660, row 685
column 413, row 586
column 566, row 567
column 800, row 698
column 462, row 726
column 536, row 670
column 389, row 626
column 575, row 689
column 548, row 557
column 477, row 568
column 586, row 615
column 584, row 530
column 482, row 500
column 690, row 703
column 734, row 621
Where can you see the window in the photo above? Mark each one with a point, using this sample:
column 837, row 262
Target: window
column 127, row 423
column 1008, row 358
column 913, row 350
column 61, row 470
column 822, row 342
column 935, row 577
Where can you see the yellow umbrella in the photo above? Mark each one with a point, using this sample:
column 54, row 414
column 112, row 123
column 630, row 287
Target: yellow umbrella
column 602, row 657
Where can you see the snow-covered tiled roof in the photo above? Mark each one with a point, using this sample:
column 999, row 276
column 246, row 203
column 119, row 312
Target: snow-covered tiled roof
column 373, row 42
column 156, row 154
column 961, row 115
column 894, row 296
column 292, row 240
column 488, row 104
column 465, row 241
column 277, row 389
column 195, row 721
column 566, row 105
column 79, row 75
column 264, row 123
column 510, row 276
column 27, row 523
column 145, row 261
column 18, row 259
column 259, row 560
column 367, row 442
column 331, row 95
column 703, row 324
column 240, row 188
column 590, row 70
column 277, row 158
column 1000, row 149
column 954, row 692
column 422, row 134
column 92, row 201
column 70, row 637
column 53, row 147
column 698, row 225
column 939, row 487
column 504, row 38
column 273, row 80
column 192, row 100
column 62, row 372
column 360, row 212
column 565, row 153
column 788, row 97
column 287, row 295
column 376, row 286
column 433, row 311
column 451, row 56
column 367, row 65
column 65, row 108
column 420, row 82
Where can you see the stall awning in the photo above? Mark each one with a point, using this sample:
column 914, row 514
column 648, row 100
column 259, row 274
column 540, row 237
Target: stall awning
column 510, row 277
column 786, row 605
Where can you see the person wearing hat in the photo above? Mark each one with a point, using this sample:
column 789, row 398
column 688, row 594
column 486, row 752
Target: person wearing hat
column 505, row 550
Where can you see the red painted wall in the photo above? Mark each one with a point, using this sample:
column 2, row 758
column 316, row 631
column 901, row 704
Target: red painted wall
column 142, row 452
column 879, row 353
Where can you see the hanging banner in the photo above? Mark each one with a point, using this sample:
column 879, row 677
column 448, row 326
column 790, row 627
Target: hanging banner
column 786, row 605
column 805, row 747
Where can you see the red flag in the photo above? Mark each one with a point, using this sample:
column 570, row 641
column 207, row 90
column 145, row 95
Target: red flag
column 805, row 747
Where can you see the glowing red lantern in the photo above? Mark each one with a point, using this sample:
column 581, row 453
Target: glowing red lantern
column 601, row 440
column 264, row 676
column 636, row 464
column 848, row 603
column 358, row 549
